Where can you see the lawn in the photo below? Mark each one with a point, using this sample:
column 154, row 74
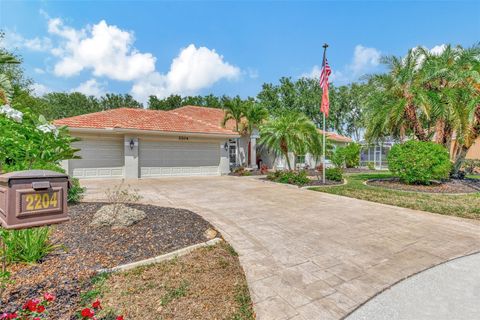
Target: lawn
column 208, row 283
column 465, row 206
column 473, row 176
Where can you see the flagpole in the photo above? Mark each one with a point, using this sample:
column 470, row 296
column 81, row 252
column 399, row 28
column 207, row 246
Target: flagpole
column 325, row 46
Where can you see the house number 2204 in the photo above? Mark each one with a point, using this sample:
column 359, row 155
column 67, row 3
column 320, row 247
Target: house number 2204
column 39, row 201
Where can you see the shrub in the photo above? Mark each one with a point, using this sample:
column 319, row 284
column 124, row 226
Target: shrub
column 348, row 156
column 76, row 191
column 334, row 174
column 241, row 171
column 263, row 169
column 28, row 245
column 120, row 195
column 28, row 141
column 298, row 178
column 371, row 165
column 419, row 162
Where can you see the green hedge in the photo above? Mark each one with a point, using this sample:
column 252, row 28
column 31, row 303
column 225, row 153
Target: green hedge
column 418, row 162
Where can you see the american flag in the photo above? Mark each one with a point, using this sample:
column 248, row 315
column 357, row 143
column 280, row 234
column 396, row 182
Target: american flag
column 326, row 71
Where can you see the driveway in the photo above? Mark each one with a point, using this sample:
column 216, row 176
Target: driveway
column 306, row 254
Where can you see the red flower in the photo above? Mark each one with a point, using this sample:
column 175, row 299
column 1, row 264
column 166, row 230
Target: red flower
column 37, row 318
column 88, row 313
column 40, row 309
column 96, row 304
column 49, row 297
column 31, row 305
column 119, row 318
column 8, row 316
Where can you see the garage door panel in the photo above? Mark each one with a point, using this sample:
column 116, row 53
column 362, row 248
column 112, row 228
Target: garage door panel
column 162, row 158
column 100, row 158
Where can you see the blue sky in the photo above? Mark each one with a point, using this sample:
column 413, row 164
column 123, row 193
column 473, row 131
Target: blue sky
column 153, row 47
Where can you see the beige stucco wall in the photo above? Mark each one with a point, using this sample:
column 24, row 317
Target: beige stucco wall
column 474, row 151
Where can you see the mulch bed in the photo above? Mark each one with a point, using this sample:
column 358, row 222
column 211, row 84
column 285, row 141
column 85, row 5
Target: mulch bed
column 451, row 186
column 251, row 173
column 312, row 183
column 83, row 249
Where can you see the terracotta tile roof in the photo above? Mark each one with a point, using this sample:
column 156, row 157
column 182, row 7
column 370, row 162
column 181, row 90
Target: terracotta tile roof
column 336, row 137
column 213, row 116
column 187, row 121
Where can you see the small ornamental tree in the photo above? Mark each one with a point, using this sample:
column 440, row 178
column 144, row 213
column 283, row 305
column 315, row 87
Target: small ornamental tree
column 419, row 162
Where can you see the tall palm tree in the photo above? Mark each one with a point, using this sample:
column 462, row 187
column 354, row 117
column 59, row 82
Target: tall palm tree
column 234, row 110
column 255, row 114
column 290, row 132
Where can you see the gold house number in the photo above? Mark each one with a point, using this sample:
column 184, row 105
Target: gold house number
column 39, row 201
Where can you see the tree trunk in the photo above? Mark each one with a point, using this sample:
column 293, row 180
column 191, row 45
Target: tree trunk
column 440, row 131
column 411, row 116
column 459, row 158
column 285, row 154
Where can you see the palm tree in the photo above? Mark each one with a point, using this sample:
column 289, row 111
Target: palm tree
column 234, row 110
column 290, row 132
column 255, row 114
column 393, row 107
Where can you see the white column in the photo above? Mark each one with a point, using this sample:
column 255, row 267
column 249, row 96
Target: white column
column 132, row 171
column 253, row 152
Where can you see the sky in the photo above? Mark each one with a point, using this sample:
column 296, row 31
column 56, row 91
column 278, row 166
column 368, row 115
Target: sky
column 197, row 47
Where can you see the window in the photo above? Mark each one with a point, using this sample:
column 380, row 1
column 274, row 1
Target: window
column 300, row 159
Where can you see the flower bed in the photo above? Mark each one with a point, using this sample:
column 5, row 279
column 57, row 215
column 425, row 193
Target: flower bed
column 451, row 186
column 67, row 271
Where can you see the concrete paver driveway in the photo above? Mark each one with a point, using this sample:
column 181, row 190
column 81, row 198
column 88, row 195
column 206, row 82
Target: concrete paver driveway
column 309, row 255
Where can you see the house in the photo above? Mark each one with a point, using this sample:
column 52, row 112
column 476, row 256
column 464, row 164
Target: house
column 139, row 143
column 188, row 141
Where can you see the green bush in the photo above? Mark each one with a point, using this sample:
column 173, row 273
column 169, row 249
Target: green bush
column 371, row 165
column 334, row 174
column 418, row 162
column 298, row 178
column 76, row 191
column 348, row 156
column 28, row 245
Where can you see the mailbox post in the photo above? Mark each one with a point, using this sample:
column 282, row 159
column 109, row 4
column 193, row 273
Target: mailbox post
column 33, row 198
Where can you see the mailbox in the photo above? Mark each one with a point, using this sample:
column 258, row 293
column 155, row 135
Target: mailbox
column 33, row 198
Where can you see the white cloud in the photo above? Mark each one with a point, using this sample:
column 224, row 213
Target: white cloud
column 364, row 60
column 40, row 89
column 15, row 40
column 437, row 50
column 91, row 88
column 105, row 49
column 192, row 70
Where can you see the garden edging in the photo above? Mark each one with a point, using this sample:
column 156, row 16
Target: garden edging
column 160, row 258
column 416, row 192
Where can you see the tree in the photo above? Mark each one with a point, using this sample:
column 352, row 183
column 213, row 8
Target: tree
column 57, row 105
column 394, row 108
column 115, row 101
column 234, row 110
column 6, row 86
column 169, row 103
column 255, row 114
column 291, row 132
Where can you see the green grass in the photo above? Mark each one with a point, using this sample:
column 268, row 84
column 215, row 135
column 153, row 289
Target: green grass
column 473, row 176
column 466, row 206
column 245, row 309
column 174, row 293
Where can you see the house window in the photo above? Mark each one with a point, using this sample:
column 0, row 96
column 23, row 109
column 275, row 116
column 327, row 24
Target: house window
column 300, row 159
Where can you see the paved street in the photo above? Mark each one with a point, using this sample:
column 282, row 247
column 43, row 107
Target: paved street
column 309, row 255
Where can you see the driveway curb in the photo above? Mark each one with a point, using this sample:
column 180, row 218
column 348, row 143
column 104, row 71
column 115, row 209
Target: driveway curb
column 161, row 258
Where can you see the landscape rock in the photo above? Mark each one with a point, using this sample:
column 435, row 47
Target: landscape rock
column 116, row 216
column 210, row 233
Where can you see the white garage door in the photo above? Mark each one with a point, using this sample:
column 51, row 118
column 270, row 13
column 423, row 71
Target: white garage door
column 184, row 158
column 101, row 158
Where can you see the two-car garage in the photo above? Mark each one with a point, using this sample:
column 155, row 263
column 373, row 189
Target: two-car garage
column 137, row 143
column 103, row 157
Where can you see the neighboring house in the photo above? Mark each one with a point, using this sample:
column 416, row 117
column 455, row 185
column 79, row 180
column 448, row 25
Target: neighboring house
column 139, row 143
column 375, row 154
column 307, row 160
column 188, row 141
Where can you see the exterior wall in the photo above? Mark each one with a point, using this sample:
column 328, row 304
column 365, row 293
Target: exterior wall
column 474, row 151
column 126, row 161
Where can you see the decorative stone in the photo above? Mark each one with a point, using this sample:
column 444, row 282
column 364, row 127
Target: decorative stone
column 116, row 215
column 210, row 233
